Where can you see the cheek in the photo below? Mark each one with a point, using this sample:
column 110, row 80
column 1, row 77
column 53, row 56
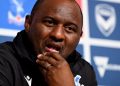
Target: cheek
column 38, row 34
column 35, row 37
column 71, row 43
column 39, row 31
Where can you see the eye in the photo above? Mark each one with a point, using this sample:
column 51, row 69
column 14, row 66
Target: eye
column 49, row 22
column 71, row 28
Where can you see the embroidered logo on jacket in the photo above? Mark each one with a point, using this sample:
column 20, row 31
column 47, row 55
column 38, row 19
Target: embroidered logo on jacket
column 29, row 80
column 77, row 80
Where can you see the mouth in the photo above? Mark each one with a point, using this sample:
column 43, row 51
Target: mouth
column 53, row 48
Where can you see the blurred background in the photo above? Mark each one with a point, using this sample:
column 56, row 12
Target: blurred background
column 100, row 43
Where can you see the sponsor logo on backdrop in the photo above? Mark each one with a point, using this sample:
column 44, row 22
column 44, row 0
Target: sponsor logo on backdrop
column 16, row 13
column 102, row 65
column 105, row 18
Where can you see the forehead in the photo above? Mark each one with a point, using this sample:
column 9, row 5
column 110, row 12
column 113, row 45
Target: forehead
column 65, row 8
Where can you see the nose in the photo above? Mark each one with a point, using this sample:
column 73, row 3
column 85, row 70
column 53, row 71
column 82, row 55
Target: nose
column 57, row 34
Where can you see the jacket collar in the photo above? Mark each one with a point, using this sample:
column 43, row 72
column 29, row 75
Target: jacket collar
column 26, row 51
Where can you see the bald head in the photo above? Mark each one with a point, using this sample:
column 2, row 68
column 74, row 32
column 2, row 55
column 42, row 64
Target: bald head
column 40, row 2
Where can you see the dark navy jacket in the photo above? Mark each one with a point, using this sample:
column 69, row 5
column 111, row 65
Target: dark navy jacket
column 18, row 60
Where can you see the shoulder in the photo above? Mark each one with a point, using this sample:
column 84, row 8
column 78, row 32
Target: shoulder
column 10, row 69
column 5, row 64
column 7, row 55
column 86, row 71
column 82, row 64
column 8, row 62
column 6, row 50
column 6, row 46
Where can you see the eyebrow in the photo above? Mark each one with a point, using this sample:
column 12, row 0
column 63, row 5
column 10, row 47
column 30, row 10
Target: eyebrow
column 56, row 20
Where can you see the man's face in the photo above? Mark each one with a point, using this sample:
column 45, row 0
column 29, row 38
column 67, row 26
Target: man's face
column 55, row 27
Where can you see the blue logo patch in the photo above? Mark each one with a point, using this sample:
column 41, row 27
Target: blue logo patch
column 77, row 80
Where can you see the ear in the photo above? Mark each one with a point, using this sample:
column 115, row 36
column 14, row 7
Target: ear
column 81, row 33
column 27, row 23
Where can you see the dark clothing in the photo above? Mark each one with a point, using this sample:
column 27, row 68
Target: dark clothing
column 18, row 59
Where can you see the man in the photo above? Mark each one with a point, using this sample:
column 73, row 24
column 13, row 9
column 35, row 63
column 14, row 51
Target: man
column 45, row 50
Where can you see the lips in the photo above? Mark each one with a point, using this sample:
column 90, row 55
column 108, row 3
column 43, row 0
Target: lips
column 53, row 47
